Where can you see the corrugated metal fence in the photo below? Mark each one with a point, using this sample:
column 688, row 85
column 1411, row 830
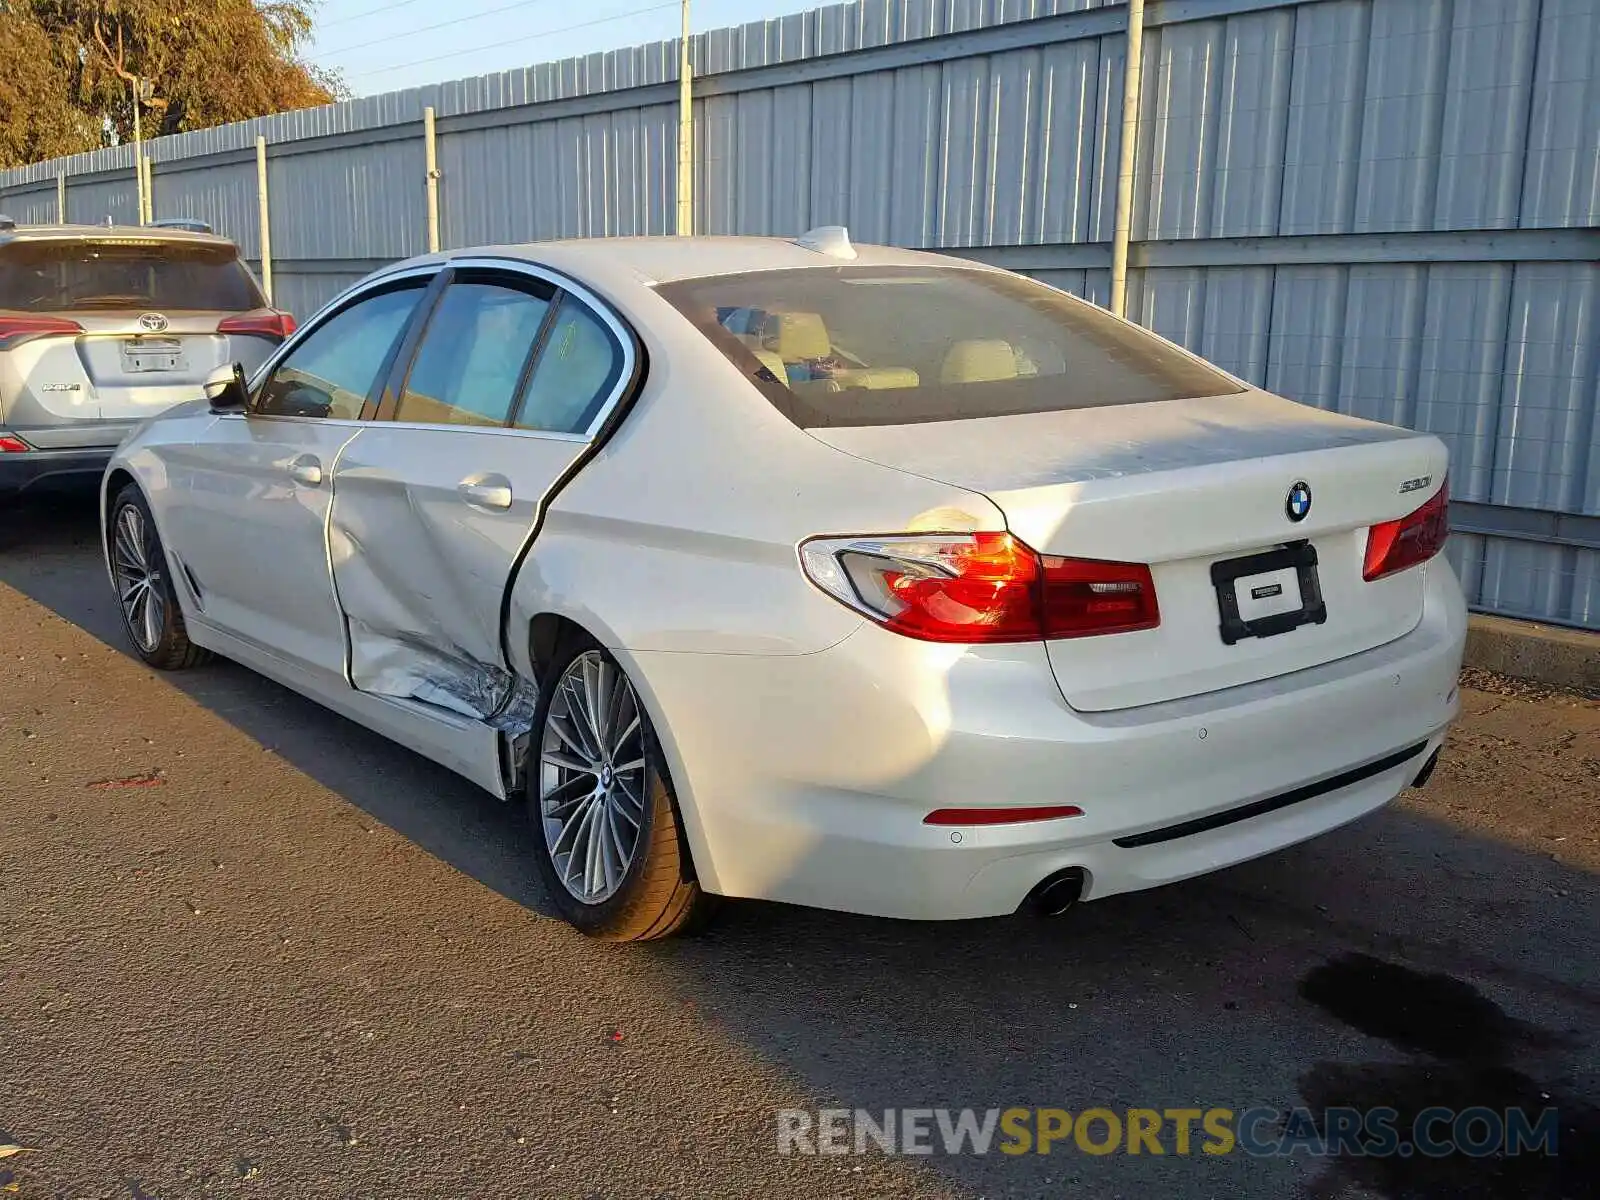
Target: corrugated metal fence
column 1387, row 207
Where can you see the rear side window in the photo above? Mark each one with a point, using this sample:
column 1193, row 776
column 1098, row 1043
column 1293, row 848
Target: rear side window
column 838, row 346
column 117, row 273
column 578, row 366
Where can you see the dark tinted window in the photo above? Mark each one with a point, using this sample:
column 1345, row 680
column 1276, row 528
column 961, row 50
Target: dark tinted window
column 112, row 273
column 473, row 355
column 331, row 371
column 898, row 345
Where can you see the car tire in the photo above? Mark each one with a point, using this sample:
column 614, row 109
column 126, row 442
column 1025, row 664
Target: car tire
column 578, row 777
column 146, row 599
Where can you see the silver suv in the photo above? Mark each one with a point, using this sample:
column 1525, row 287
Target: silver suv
column 103, row 326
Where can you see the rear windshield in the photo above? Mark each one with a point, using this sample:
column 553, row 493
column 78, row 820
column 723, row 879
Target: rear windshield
column 835, row 346
column 113, row 273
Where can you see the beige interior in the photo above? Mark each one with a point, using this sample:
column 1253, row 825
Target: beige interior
column 979, row 361
column 878, row 378
column 772, row 361
column 797, row 336
column 414, row 406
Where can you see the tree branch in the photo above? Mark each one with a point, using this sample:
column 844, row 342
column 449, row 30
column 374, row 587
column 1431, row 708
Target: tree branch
column 114, row 61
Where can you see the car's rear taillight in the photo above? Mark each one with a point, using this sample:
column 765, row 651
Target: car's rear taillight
column 1084, row 596
column 980, row 587
column 1414, row 538
column 267, row 323
column 10, row 444
column 18, row 328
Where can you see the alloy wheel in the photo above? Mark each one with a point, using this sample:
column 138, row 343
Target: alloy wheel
column 592, row 778
column 136, row 564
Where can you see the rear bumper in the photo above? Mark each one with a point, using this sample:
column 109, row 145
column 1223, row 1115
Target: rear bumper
column 806, row 779
column 51, row 469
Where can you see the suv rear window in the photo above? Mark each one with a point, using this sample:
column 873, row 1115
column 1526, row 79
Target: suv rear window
column 834, row 346
column 114, row 273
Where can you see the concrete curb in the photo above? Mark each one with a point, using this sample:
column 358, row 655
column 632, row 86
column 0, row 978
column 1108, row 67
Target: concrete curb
column 1547, row 654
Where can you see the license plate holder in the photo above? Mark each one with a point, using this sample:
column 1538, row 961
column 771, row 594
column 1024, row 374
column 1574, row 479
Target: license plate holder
column 152, row 354
column 1300, row 558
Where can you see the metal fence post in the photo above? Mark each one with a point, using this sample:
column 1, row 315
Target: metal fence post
column 61, row 198
column 431, row 156
column 1132, row 80
column 264, row 217
column 148, row 169
column 685, row 224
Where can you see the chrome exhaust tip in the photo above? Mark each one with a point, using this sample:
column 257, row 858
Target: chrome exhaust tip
column 1056, row 893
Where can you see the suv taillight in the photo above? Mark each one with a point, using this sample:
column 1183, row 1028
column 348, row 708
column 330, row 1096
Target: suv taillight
column 268, row 323
column 980, row 587
column 16, row 329
column 1414, row 538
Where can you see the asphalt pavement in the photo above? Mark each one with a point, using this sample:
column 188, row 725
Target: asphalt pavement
column 248, row 948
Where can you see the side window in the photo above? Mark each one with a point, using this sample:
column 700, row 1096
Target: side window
column 577, row 368
column 331, row 371
column 472, row 357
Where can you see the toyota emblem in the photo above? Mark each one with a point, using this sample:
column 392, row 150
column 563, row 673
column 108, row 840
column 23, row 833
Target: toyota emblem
column 152, row 322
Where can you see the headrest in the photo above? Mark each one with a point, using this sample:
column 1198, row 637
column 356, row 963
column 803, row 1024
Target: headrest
column 796, row 336
column 979, row 361
column 772, row 362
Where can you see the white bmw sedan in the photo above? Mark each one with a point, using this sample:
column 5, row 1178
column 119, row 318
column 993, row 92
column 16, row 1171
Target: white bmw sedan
column 848, row 577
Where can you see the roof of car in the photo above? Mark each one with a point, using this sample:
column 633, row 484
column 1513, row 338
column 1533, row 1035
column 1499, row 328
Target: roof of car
column 43, row 233
column 664, row 259
column 648, row 260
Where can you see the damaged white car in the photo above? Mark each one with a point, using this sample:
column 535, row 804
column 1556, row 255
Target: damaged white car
column 849, row 577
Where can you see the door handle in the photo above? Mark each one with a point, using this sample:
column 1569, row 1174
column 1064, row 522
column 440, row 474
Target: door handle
column 485, row 491
column 306, row 469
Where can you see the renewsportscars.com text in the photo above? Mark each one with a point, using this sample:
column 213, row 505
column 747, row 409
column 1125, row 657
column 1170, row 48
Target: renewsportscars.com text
column 1259, row 1132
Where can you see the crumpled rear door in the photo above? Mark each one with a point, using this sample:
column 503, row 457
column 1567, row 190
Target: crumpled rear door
column 427, row 525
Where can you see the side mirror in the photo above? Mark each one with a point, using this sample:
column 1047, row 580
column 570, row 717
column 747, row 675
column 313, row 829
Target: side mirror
column 226, row 389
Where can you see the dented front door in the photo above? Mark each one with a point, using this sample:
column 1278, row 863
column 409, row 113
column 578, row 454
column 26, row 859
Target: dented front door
column 435, row 503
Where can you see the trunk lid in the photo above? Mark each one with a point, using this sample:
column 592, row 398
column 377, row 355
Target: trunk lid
column 1191, row 487
column 64, row 389
column 136, row 371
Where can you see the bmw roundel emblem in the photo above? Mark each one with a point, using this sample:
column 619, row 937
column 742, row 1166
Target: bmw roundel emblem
column 1297, row 506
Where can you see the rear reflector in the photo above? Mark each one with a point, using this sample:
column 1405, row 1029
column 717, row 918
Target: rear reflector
column 980, row 588
column 1000, row 816
column 268, row 323
column 1414, row 538
column 14, row 330
column 13, row 445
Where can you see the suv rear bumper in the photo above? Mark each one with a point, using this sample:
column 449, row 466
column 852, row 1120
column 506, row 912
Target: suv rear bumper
column 48, row 469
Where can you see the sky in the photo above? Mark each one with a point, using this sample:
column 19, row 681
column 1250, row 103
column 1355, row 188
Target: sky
column 388, row 45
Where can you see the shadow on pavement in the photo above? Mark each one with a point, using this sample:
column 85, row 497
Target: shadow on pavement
column 1202, row 995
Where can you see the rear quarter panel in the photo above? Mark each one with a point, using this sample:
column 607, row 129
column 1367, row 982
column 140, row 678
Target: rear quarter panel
column 679, row 537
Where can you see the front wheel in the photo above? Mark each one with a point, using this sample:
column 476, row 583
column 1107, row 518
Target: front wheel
column 606, row 824
column 145, row 595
